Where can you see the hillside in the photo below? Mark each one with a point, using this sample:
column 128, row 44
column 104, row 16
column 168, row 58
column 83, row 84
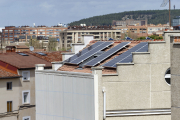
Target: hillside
column 153, row 16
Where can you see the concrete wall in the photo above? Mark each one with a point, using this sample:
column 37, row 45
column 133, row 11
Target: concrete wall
column 158, row 117
column 175, row 76
column 13, row 117
column 141, row 84
column 9, row 95
column 27, row 85
column 27, row 111
column 64, row 96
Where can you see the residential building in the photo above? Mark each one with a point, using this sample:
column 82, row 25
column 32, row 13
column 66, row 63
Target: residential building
column 140, row 31
column 12, row 33
column 17, row 80
column 157, row 28
column 9, row 90
column 175, row 73
column 176, row 21
column 129, row 22
column 118, row 85
column 176, row 27
column 76, row 34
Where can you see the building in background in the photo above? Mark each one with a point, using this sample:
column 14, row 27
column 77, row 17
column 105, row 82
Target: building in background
column 92, row 85
column 129, row 22
column 140, row 31
column 75, row 34
column 12, row 33
column 176, row 21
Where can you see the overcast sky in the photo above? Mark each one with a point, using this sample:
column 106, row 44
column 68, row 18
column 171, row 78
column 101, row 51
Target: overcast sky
column 51, row 12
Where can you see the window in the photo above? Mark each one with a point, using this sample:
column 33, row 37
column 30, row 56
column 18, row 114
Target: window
column 168, row 76
column 9, row 106
column 9, row 85
column 26, row 75
column 26, row 97
column 27, row 118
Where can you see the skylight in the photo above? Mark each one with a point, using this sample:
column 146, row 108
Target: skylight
column 40, row 53
column 23, row 54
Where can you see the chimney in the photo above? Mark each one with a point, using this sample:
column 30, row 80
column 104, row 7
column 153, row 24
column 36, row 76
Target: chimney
column 40, row 66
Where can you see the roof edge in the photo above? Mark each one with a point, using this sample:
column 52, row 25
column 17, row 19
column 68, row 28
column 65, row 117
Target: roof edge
column 10, row 77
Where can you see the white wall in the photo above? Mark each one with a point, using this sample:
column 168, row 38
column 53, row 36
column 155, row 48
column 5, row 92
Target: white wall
column 64, row 96
column 77, row 47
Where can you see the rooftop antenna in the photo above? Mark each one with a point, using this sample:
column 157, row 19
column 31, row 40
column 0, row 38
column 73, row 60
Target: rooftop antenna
column 31, row 48
column 163, row 5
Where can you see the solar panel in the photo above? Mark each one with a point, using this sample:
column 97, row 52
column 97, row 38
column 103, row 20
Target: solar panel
column 91, row 52
column 40, row 53
column 126, row 57
column 83, row 52
column 105, row 55
column 23, row 54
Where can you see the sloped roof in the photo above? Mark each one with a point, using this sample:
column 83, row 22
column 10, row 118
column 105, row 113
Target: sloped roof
column 50, row 56
column 86, row 69
column 6, row 74
column 22, row 62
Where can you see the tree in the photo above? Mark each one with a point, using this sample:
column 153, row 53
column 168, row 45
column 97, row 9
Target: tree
column 132, row 35
column 52, row 44
column 35, row 43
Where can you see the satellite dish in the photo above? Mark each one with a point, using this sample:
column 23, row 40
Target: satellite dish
column 31, row 48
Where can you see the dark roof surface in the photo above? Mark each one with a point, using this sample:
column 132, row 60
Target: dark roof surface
column 21, row 62
column 50, row 56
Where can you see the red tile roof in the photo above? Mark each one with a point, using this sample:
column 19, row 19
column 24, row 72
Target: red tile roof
column 21, row 62
column 50, row 56
column 73, row 68
column 6, row 74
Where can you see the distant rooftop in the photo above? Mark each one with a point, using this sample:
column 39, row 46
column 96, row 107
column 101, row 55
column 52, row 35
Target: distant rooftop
column 90, row 27
column 87, row 69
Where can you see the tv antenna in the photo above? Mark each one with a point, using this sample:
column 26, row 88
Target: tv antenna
column 163, row 5
column 31, row 48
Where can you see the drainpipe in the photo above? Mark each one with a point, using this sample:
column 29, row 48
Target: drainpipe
column 104, row 102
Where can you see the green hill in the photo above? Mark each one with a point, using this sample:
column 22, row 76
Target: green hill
column 153, row 16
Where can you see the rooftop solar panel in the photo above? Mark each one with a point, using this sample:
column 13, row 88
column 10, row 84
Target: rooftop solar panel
column 126, row 57
column 91, row 52
column 83, row 52
column 105, row 55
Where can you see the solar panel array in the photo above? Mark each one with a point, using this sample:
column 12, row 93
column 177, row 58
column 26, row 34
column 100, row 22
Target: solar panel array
column 83, row 52
column 126, row 57
column 90, row 53
column 108, row 53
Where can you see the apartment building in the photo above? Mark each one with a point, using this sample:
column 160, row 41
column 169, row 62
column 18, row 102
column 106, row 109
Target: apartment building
column 129, row 22
column 12, row 33
column 109, row 80
column 143, row 30
column 75, row 34
column 17, row 81
column 176, row 21
column 155, row 28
